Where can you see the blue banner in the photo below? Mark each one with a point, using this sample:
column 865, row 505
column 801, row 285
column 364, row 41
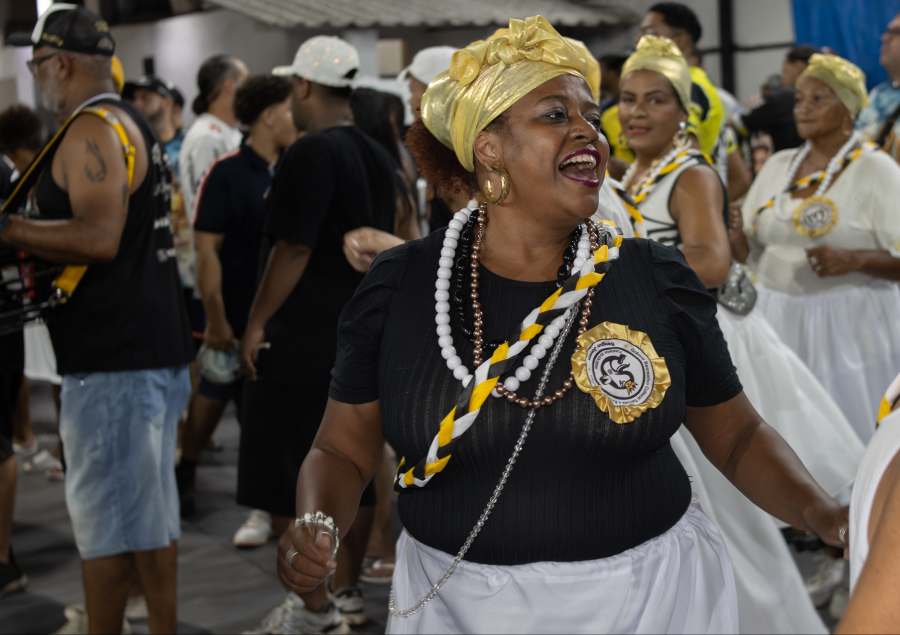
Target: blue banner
column 852, row 28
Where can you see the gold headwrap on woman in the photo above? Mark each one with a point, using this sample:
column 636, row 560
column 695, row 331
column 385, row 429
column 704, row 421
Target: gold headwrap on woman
column 662, row 55
column 845, row 78
column 489, row 76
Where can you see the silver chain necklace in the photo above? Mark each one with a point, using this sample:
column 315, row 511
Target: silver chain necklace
column 520, row 443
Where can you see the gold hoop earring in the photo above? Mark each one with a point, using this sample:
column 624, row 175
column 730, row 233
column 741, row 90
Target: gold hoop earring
column 492, row 194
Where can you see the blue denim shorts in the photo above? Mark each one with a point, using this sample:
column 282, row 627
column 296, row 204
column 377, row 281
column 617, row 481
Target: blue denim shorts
column 119, row 433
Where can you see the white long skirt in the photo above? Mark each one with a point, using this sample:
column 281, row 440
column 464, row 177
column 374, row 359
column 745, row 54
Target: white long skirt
column 678, row 582
column 848, row 337
column 792, row 400
column 771, row 596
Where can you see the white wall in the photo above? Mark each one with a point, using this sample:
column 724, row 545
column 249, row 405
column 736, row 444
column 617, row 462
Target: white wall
column 756, row 22
column 181, row 44
column 18, row 85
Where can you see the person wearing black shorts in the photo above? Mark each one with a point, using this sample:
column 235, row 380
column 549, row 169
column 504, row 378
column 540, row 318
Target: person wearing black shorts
column 227, row 236
column 331, row 181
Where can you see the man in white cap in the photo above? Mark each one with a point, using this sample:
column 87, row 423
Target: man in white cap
column 426, row 65
column 332, row 180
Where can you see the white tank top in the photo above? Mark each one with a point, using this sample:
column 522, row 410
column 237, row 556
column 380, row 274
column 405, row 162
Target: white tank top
column 660, row 225
column 883, row 447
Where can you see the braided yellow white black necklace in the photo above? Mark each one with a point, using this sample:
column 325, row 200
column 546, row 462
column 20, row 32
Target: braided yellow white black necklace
column 508, row 388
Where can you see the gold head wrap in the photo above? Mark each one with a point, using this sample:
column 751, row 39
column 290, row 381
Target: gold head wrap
column 661, row 55
column 489, row 76
column 843, row 77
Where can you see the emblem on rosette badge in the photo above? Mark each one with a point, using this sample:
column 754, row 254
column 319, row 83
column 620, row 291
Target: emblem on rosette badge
column 621, row 370
column 815, row 216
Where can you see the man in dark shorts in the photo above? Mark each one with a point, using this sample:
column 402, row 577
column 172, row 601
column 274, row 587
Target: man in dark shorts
column 122, row 339
column 227, row 236
column 332, row 180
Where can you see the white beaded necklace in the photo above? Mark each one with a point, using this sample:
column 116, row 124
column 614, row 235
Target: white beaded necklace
column 652, row 173
column 442, row 306
column 834, row 166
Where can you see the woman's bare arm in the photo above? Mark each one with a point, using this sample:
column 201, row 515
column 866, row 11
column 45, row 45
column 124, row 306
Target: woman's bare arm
column 755, row 458
column 696, row 206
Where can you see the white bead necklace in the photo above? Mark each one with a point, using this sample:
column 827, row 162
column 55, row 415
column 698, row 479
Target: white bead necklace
column 834, row 166
column 442, row 306
column 652, row 173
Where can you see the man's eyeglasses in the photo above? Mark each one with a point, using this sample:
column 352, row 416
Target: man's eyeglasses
column 35, row 62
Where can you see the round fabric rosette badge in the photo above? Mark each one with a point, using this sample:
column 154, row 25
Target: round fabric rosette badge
column 621, row 370
column 815, row 216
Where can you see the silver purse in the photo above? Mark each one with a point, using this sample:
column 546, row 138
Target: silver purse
column 738, row 294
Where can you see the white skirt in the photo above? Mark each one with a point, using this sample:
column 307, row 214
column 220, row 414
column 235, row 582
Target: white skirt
column 40, row 358
column 790, row 399
column 848, row 337
column 771, row 596
column 678, row 582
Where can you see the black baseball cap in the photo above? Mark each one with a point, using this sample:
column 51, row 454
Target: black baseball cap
column 68, row 27
column 151, row 83
column 177, row 97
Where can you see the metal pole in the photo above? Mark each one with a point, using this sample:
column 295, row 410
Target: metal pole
column 726, row 44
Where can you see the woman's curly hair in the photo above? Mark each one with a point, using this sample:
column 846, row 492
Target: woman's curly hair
column 438, row 163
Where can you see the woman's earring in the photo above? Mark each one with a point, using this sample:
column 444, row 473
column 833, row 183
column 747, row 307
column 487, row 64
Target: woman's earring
column 681, row 137
column 494, row 194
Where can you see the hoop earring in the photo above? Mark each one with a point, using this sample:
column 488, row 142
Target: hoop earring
column 492, row 194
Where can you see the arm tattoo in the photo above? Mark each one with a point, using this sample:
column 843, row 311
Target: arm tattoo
column 95, row 168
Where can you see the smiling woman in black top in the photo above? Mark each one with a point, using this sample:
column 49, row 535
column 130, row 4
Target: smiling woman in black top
column 594, row 529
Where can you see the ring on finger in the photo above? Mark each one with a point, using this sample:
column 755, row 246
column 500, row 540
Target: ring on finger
column 842, row 534
column 291, row 556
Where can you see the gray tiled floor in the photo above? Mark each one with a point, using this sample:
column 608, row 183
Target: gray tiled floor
column 221, row 589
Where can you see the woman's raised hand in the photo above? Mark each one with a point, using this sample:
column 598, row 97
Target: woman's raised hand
column 304, row 559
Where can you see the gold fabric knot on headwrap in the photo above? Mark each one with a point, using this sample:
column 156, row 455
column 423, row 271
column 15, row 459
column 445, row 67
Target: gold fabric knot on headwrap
column 845, row 78
column 488, row 76
column 662, row 55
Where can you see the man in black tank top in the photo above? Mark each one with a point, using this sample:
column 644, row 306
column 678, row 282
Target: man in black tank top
column 122, row 340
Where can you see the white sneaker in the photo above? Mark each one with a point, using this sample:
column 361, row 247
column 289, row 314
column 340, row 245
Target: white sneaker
column 350, row 603
column 291, row 616
column 77, row 622
column 42, row 461
column 825, row 579
column 255, row 532
column 136, row 609
column 24, row 453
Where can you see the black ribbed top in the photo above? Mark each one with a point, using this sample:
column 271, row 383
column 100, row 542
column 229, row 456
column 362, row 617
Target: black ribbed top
column 584, row 487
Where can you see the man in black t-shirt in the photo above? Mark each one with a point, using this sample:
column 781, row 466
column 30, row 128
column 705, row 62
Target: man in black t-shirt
column 230, row 213
column 332, row 180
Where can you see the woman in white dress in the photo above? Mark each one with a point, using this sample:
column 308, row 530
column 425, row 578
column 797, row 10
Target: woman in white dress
column 875, row 529
column 821, row 228
column 682, row 202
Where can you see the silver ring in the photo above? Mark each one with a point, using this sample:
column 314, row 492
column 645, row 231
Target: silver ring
column 291, row 556
column 842, row 534
column 813, row 261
